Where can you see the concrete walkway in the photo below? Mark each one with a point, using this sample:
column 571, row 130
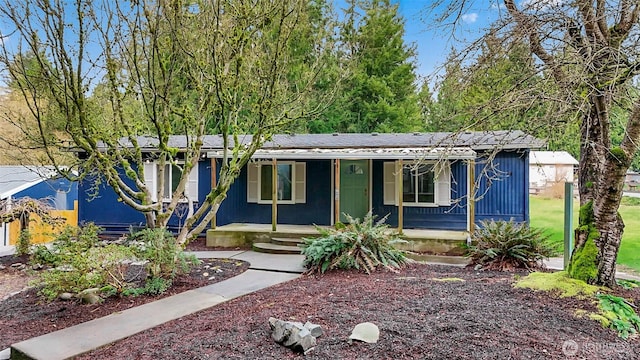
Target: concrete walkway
column 265, row 270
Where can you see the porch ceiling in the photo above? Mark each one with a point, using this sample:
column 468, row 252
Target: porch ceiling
column 361, row 153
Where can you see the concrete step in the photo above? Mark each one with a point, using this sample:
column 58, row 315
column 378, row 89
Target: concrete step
column 286, row 241
column 439, row 259
column 276, row 249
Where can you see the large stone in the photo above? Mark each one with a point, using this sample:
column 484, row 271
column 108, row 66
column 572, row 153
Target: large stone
column 366, row 332
column 134, row 272
column 314, row 329
column 294, row 335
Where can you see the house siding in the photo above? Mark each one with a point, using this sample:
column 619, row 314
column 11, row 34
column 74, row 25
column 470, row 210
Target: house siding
column 453, row 217
column 316, row 209
column 503, row 196
column 503, row 188
column 59, row 193
column 105, row 210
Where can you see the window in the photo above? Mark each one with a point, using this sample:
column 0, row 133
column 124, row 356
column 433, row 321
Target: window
column 423, row 184
column 172, row 175
column 418, row 184
column 290, row 186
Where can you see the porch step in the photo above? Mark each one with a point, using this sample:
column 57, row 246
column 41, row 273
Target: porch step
column 276, row 249
column 286, row 241
column 439, row 259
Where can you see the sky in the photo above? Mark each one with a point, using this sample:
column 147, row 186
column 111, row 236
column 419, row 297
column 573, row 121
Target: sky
column 434, row 43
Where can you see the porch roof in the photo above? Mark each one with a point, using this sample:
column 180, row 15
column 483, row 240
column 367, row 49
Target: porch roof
column 361, row 153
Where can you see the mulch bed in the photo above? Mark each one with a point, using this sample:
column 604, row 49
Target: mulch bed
column 419, row 316
column 25, row 315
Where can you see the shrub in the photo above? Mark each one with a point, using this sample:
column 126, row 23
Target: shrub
column 160, row 248
column 79, row 260
column 501, row 245
column 24, row 242
column 362, row 245
column 617, row 314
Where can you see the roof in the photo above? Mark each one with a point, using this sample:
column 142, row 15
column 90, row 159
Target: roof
column 551, row 158
column 14, row 179
column 478, row 141
column 360, row 153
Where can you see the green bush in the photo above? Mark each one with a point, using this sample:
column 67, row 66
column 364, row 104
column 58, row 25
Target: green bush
column 362, row 245
column 501, row 245
column 78, row 260
column 160, row 248
column 94, row 268
column 24, row 242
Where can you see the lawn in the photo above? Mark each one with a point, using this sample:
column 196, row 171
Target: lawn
column 548, row 214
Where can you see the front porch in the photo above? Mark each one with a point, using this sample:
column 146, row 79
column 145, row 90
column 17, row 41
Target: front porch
column 439, row 242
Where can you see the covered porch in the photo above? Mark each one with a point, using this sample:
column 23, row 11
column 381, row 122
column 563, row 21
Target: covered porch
column 438, row 242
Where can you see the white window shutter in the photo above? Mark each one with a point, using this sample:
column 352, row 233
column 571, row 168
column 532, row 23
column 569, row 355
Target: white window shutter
column 253, row 169
column 389, row 176
column 191, row 191
column 150, row 179
column 300, row 179
column 443, row 183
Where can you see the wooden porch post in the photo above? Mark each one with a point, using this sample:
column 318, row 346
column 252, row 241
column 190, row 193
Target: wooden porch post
column 214, row 182
column 399, row 169
column 336, row 196
column 274, row 194
column 471, row 205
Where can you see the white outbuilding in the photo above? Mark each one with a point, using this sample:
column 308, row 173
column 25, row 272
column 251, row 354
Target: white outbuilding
column 547, row 168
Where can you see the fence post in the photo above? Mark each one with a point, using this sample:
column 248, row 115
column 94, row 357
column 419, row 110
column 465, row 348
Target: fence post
column 568, row 223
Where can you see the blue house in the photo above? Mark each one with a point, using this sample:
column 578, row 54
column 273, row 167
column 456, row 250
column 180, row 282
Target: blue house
column 36, row 182
column 438, row 182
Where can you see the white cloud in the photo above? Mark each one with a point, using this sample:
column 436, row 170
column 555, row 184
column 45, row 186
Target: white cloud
column 470, row 18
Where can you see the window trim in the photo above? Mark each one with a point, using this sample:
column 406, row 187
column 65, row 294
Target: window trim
column 433, row 169
column 298, row 186
column 293, row 182
column 442, row 184
column 151, row 176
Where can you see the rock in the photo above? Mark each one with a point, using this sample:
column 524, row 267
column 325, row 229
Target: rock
column 90, row 296
column 366, row 332
column 314, row 329
column 294, row 335
column 2, row 267
column 65, row 296
column 134, row 272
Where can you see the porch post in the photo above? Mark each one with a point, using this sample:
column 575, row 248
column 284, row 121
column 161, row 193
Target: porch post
column 336, row 196
column 274, row 194
column 399, row 169
column 214, row 182
column 471, row 191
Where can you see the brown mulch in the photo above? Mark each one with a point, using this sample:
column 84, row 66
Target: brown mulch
column 24, row 315
column 419, row 316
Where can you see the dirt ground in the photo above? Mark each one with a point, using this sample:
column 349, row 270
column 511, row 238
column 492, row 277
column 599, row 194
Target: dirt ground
column 424, row 312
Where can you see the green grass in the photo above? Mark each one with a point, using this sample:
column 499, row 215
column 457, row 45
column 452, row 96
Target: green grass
column 548, row 214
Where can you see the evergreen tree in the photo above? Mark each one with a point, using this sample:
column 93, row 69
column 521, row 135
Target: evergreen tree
column 380, row 92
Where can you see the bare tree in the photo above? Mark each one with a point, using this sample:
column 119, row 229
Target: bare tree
column 109, row 78
column 586, row 54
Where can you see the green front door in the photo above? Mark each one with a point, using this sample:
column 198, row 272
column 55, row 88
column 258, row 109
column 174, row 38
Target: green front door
column 354, row 188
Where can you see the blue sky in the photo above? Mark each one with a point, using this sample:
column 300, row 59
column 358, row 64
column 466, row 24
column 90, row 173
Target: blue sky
column 434, row 43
